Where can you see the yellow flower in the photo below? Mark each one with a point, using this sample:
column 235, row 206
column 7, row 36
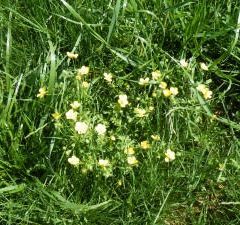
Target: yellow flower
column 74, row 160
column 174, row 91
column 203, row 66
column 140, row 112
column 154, row 94
column 145, row 145
column 85, row 84
column 129, row 151
column 214, row 117
column 163, row 85
column 84, row 70
column 56, row 115
column 42, row 92
column 108, row 77
column 183, row 63
column 156, row 75
column 72, row 55
column 81, row 127
column 119, row 183
column 100, row 129
column 75, row 105
column 71, row 115
column 68, row 152
column 167, row 92
column 131, row 159
column 169, row 155
column 151, row 108
column 207, row 94
column 221, row 166
column 201, row 87
column 143, row 81
column 113, row 138
column 103, row 163
column 123, row 101
column 155, row 137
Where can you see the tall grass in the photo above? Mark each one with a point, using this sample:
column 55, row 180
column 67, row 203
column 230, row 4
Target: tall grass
column 129, row 39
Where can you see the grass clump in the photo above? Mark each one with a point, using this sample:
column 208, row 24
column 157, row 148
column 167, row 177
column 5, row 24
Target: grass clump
column 120, row 112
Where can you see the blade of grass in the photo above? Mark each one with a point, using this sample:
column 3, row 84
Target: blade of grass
column 34, row 25
column 96, row 35
column 114, row 19
column 53, row 73
column 8, row 52
column 226, row 54
column 162, row 206
column 12, row 189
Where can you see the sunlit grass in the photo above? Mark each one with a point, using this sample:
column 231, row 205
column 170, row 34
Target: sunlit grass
column 119, row 112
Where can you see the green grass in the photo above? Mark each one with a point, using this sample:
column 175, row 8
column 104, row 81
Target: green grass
column 130, row 39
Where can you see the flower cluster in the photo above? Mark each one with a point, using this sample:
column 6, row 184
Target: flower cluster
column 123, row 100
column 103, row 145
column 167, row 92
column 72, row 55
column 131, row 158
column 144, row 81
column 84, row 70
column 207, row 93
column 169, row 155
column 42, row 92
column 108, row 77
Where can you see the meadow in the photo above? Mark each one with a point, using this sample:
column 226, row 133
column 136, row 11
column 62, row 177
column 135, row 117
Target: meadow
column 120, row 112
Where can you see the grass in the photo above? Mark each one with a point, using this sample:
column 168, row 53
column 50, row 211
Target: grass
column 129, row 39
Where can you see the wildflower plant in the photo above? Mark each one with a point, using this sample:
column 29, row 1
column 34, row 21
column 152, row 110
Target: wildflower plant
column 124, row 122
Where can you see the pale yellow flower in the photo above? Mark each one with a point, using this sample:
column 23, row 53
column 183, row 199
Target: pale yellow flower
column 140, row 112
column 56, row 115
column 119, row 183
column 203, row 66
column 84, row 70
column 155, row 137
column 71, row 115
column 129, row 151
column 75, row 105
column 81, row 127
column 42, row 92
column 214, row 117
column 183, row 63
column 201, row 87
column 108, row 77
column 100, row 129
column 143, row 81
column 113, row 138
column 131, row 159
column 72, row 55
column 123, row 101
column 169, row 155
column 221, row 166
column 156, row 75
column 163, row 85
column 68, row 152
column 103, row 162
column 151, row 108
column 174, row 91
column 154, row 94
column 207, row 94
column 74, row 160
column 167, row 92
column 145, row 145
column 85, row 84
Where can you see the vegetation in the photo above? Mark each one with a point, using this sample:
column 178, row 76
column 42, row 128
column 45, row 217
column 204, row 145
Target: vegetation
column 119, row 112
